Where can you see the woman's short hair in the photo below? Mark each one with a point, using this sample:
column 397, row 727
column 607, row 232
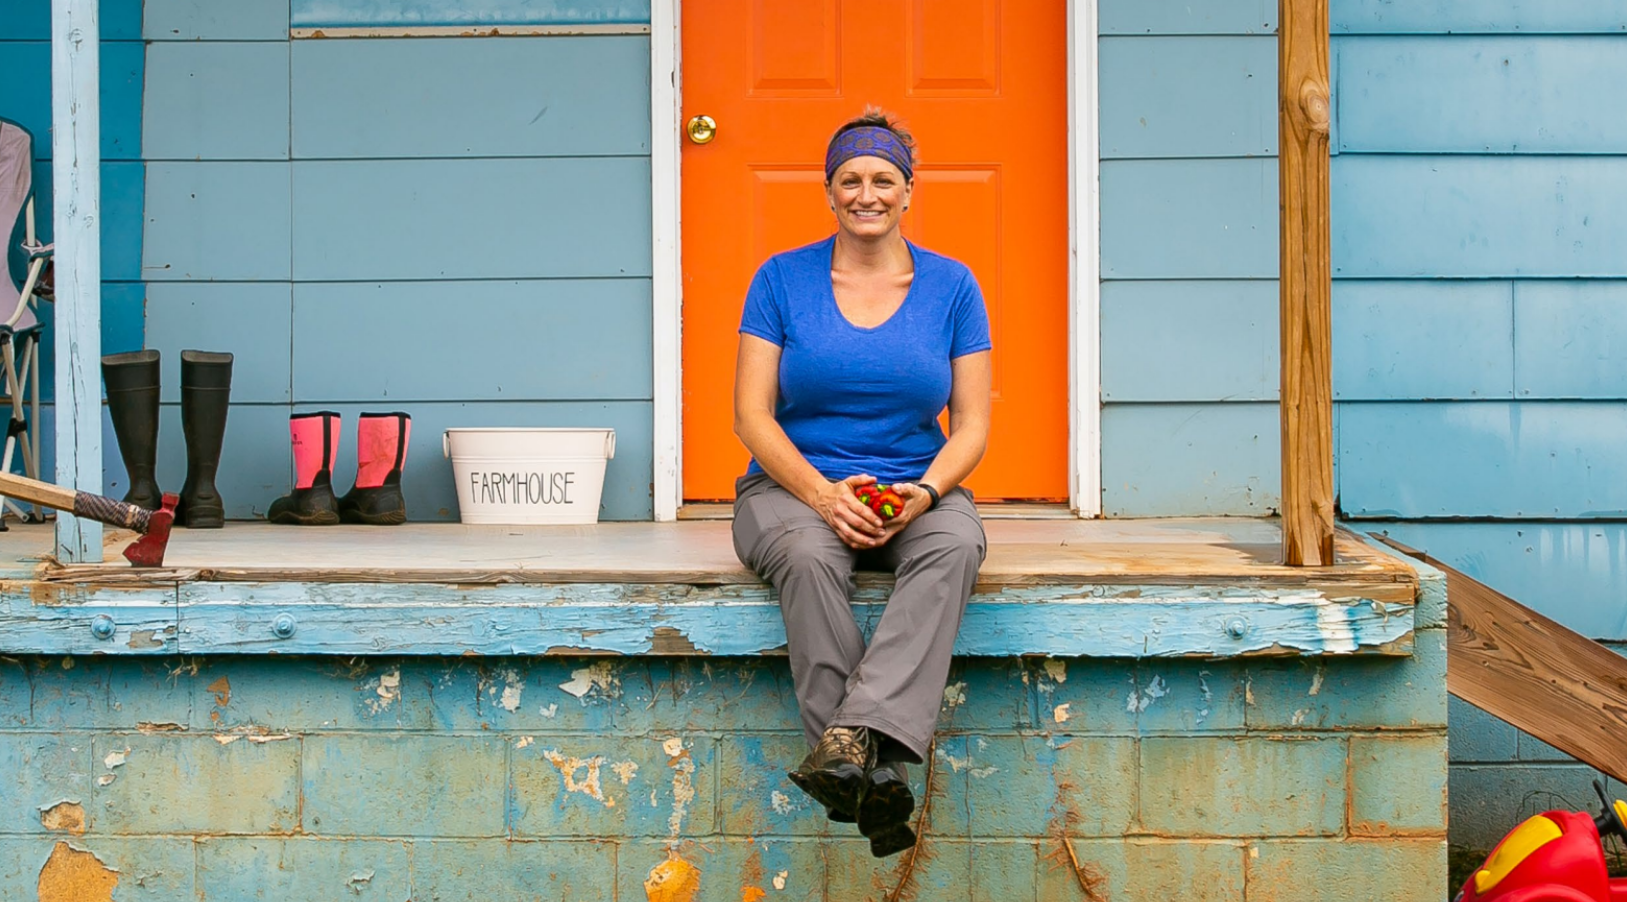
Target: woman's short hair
column 876, row 117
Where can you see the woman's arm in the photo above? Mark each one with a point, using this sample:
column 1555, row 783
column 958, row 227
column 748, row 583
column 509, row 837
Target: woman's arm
column 756, row 389
column 969, row 402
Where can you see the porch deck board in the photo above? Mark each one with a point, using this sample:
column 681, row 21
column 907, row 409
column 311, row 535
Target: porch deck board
column 1133, row 588
column 1021, row 553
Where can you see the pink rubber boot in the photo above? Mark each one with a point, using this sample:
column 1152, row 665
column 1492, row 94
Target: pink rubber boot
column 315, row 440
column 381, row 452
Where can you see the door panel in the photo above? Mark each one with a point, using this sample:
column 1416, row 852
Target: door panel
column 982, row 85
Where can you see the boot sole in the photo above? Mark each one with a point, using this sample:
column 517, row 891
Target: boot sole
column 389, row 518
column 887, row 803
column 320, row 518
column 838, row 789
column 891, row 841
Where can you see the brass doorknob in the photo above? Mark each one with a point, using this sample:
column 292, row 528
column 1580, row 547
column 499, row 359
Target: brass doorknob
column 702, row 129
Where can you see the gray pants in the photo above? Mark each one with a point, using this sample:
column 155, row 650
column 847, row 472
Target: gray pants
column 896, row 685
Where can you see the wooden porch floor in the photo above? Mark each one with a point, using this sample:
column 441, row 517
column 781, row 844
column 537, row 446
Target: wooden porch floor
column 1212, row 551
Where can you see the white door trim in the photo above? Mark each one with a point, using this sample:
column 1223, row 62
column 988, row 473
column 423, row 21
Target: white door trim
column 1084, row 270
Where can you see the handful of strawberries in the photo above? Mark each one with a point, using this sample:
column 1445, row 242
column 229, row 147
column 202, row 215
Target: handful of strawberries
column 880, row 498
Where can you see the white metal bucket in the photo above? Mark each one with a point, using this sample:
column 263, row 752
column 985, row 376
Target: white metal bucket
column 529, row 475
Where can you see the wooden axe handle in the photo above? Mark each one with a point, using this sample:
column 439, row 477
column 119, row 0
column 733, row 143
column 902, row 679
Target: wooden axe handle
column 80, row 504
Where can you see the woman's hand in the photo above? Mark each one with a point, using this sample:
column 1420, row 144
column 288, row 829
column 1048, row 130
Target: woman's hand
column 856, row 525
column 916, row 503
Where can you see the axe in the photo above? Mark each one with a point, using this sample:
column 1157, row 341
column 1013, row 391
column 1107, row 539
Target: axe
column 154, row 526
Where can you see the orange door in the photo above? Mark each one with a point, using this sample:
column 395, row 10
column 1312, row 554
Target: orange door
column 982, row 85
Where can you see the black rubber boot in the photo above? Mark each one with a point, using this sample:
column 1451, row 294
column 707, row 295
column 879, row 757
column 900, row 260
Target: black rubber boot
column 315, row 439
column 381, row 442
column 206, row 393
column 132, row 403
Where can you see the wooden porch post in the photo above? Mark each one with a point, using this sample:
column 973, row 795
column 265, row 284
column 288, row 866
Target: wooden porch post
column 76, row 185
column 1307, row 284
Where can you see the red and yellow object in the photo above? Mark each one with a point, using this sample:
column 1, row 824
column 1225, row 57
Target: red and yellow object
column 1556, row 856
column 880, row 498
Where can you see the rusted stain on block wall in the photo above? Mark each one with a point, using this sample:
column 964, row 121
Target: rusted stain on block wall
column 74, row 875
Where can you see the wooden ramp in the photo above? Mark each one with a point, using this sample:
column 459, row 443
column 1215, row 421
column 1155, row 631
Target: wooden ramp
column 1513, row 663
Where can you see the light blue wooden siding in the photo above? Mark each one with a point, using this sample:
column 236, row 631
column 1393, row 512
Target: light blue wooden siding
column 216, row 100
column 1189, row 341
column 1167, row 460
column 476, row 218
column 407, row 13
column 1189, row 96
column 1479, row 216
column 25, row 94
column 30, row 20
column 491, row 97
column 510, row 341
column 1471, row 17
column 217, row 316
column 1573, row 572
column 211, row 20
column 1439, row 94
column 1189, row 258
column 1189, row 218
column 1155, row 17
column 1403, row 341
column 459, row 228
column 217, row 221
column 1570, row 339
column 1519, row 460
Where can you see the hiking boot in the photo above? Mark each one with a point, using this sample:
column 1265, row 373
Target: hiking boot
column 834, row 772
column 885, row 808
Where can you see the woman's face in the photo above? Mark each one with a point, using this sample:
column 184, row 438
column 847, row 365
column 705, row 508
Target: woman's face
column 869, row 196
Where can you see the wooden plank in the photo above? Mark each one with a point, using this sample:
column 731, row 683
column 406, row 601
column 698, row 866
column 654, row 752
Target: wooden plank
column 1220, row 213
column 1170, row 460
column 1524, row 668
column 216, row 100
column 1236, row 553
column 325, row 13
column 1467, row 17
column 1416, row 340
column 196, row 229
column 1094, row 621
column 1567, row 339
column 77, row 222
column 1155, row 17
column 1307, row 285
column 1224, row 332
column 1209, row 96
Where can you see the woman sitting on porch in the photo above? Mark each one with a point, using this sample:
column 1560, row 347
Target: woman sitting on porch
column 849, row 350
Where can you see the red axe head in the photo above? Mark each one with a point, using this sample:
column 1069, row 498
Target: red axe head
column 148, row 551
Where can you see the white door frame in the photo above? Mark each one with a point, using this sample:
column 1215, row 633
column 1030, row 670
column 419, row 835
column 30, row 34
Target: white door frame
column 1084, row 251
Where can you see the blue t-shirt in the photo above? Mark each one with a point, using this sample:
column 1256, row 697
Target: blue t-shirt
column 857, row 400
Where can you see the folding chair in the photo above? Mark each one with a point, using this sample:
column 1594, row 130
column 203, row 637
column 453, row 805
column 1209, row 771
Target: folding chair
column 19, row 327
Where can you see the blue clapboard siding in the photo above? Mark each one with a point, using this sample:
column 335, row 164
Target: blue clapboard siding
column 30, row 20
column 251, row 320
column 481, row 218
column 1575, row 573
column 217, row 220
column 1570, row 339
column 1189, row 219
column 1189, row 97
column 380, row 98
column 25, row 94
column 122, row 304
column 1449, row 95
column 1432, row 216
column 216, row 100
column 1159, row 17
column 1168, row 460
column 211, row 20
column 1549, row 460
column 1402, row 341
column 399, row 13
column 553, row 339
column 1469, row 17
column 1189, row 341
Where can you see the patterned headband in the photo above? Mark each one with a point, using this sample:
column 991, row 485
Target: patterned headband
column 867, row 141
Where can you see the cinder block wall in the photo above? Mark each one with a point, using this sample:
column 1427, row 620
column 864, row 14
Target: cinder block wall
column 238, row 778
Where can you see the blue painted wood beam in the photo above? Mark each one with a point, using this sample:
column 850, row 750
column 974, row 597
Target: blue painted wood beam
column 671, row 619
column 76, row 178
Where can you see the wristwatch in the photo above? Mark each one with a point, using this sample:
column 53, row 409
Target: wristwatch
column 930, row 491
